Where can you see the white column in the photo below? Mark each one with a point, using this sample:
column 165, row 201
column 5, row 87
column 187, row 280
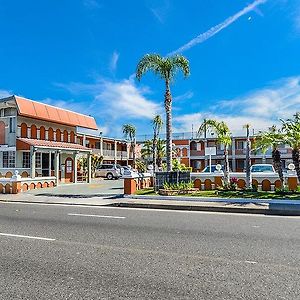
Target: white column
column 233, row 155
column 50, row 163
column 32, row 160
column 75, row 166
column 56, row 166
column 101, row 146
column 89, row 168
column 115, row 154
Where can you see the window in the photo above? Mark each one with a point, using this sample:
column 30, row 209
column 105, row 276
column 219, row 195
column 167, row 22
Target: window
column 240, row 145
column 98, row 145
column 12, row 125
column 38, row 163
column 9, row 159
column 240, row 164
column 26, row 160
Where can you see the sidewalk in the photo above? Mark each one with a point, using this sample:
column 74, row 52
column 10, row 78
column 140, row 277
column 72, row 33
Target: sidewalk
column 247, row 206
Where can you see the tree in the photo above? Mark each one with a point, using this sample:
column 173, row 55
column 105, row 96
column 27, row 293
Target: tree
column 272, row 138
column 147, row 150
column 291, row 128
column 157, row 123
column 96, row 160
column 129, row 132
column 248, row 162
column 166, row 68
column 223, row 138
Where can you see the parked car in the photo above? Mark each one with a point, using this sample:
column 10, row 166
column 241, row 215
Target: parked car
column 262, row 168
column 213, row 169
column 110, row 171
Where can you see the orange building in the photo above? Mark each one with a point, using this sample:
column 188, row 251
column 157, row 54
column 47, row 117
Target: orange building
column 40, row 140
column 191, row 152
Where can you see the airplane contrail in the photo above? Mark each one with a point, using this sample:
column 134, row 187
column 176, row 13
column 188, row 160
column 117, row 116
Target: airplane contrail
column 214, row 30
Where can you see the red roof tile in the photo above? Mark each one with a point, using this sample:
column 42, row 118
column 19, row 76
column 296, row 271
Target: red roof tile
column 52, row 144
column 41, row 111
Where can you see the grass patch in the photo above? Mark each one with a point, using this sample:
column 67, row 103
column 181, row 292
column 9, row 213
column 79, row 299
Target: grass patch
column 231, row 194
column 147, row 192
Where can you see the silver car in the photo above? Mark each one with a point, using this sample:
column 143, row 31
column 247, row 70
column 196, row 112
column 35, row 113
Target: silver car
column 110, row 171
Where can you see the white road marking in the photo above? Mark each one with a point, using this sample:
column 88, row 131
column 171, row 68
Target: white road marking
column 97, row 216
column 256, row 226
column 250, row 262
column 26, row 236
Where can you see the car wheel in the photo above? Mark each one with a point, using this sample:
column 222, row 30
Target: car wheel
column 109, row 176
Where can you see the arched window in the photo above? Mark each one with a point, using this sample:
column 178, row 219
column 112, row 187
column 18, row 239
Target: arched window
column 24, row 131
column 33, row 132
column 42, row 133
column 50, row 134
column 58, row 135
column 72, row 137
column 66, row 136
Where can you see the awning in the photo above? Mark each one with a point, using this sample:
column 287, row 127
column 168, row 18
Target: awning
column 25, row 143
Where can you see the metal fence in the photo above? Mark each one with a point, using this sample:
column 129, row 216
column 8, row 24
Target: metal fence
column 171, row 177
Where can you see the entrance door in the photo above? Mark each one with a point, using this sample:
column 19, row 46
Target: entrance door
column 45, row 164
column 69, row 169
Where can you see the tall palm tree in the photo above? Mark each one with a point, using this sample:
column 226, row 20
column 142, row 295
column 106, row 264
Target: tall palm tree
column 223, row 137
column 129, row 132
column 248, row 162
column 291, row 128
column 157, row 123
column 166, row 68
column 272, row 138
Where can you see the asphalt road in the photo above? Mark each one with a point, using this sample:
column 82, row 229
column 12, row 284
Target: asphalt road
column 69, row 252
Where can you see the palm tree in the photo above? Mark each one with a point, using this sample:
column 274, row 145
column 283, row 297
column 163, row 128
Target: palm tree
column 248, row 162
column 291, row 128
column 129, row 132
column 166, row 68
column 147, row 150
column 223, row 138
column 272, row 138
column 157, row 125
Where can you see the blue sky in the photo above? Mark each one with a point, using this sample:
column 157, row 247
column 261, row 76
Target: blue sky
column 82, row 55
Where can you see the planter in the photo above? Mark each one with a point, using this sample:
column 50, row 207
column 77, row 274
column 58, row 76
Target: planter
column 163, row 192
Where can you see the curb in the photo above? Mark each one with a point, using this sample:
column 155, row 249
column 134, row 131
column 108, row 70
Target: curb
column 237, row 210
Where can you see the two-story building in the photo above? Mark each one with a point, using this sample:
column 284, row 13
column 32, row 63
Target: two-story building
column 40, row 140
column 191, row 152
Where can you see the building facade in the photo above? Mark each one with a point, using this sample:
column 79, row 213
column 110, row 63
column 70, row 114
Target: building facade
column 191, row 152
column 40, row 140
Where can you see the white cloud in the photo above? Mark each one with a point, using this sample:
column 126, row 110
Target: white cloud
column 125, row 99
column 114, row 102
column 91, row 4
column 216, row 29
column 114, row 61
column 261, row 108
column 5, row 93
column 186, row 96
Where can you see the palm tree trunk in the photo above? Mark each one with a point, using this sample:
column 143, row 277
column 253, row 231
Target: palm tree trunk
column 133, row 146
column 248, row 172
column 295, row 156
column 276, row 156
column 226, row 167
column 168, row 108
column 154, row 153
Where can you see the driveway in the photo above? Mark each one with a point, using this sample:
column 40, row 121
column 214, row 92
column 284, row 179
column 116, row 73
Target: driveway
column 98, row 188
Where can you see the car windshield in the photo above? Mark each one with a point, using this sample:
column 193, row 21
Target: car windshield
column 256, row 169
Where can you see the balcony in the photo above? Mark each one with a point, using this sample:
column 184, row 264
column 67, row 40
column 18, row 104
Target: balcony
column 111, row 153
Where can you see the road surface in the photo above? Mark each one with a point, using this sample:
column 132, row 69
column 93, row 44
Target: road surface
column 71, row 252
